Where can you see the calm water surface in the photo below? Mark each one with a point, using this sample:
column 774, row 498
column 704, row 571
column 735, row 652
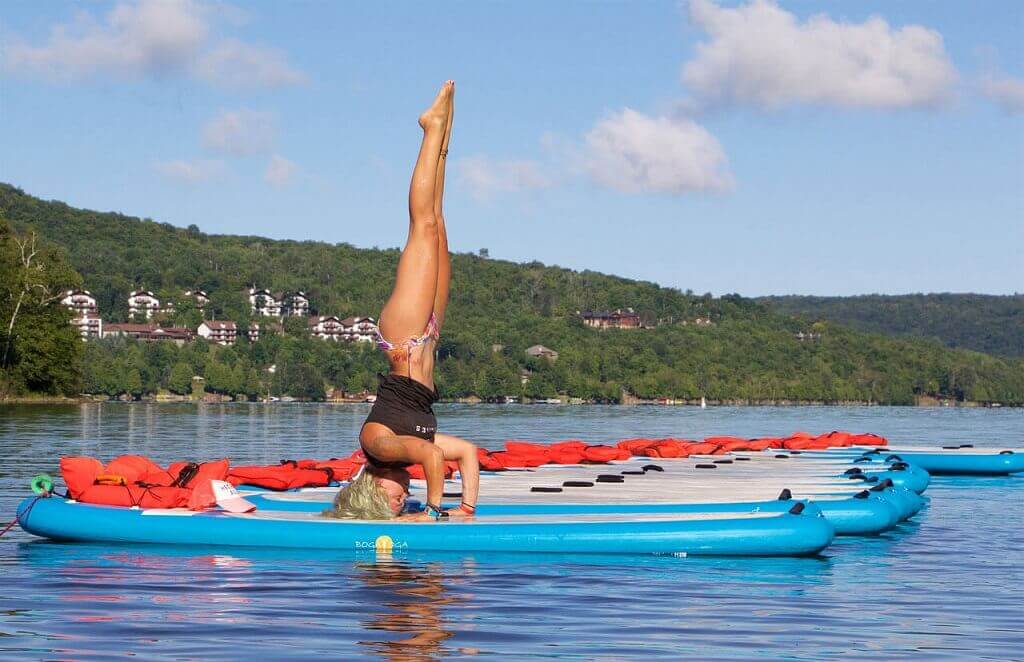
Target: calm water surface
column 949, row 585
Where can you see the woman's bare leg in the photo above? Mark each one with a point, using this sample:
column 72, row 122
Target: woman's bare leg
column 380, row 442
column 412, row 301
column 444, row 265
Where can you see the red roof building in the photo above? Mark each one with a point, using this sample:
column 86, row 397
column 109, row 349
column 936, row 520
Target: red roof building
column 148, row 332
column 615, row 319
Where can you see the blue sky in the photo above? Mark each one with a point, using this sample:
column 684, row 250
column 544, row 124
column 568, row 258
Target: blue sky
column 751, row 147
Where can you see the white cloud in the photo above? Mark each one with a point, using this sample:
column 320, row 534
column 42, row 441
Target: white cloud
column 149, row 38
column 239, row 132
column 762, row 55
column 237, row 64
column 279, row 171
column 634, row 153
column 486, row 177
column 1006, row 91
column 190, row 172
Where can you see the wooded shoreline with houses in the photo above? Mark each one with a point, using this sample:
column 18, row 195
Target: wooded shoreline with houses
column 514, row 331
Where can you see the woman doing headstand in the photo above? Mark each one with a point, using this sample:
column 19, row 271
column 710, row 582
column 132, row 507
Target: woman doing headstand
column 401, row 429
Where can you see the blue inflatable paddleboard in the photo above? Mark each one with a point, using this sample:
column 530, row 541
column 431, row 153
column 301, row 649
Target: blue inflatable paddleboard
column 870, row 513
column 794, row 533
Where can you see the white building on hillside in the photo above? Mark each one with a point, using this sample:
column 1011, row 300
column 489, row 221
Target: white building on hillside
column 326, row 328
column 295, row 304
column 218, row 331
column 143, row 304
column 200, row 297
column 85, row 316
column 359, row 329
column 88, row 327
column 80, row 302
column 264, row 303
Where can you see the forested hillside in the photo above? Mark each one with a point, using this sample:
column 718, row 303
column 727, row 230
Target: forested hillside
column 985, row 323
column 498, row 310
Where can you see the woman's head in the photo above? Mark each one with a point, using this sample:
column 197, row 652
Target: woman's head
column 395, row 484
column 376, row 493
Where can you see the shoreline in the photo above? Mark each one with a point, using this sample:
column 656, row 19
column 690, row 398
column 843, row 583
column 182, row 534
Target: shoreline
column 923, row 403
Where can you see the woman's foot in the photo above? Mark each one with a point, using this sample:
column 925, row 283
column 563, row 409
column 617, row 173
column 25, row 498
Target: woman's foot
column 448, row 123
column 437, row 114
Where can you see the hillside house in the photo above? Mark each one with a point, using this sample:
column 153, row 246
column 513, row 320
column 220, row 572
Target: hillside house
column 200, row 297
column 80, row 302
column 253, row 332
column 148, row 332
column 143, row 304
column 294, row 304
column 263, row 303
column 88, row 327
column 542, row 352
column 218, row 331
column 326, row 327
column 615, row 319
column 85, row 316
column 359, row 329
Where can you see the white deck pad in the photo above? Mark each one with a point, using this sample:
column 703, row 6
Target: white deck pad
column 761, row 479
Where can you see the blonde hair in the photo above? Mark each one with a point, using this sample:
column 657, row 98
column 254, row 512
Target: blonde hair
column 362, row 498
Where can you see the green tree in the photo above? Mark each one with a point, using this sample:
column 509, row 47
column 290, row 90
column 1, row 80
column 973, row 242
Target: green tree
column 300, row 380
column 297, row 327
column 218, row 377
column 39, row 350
column 180, row 379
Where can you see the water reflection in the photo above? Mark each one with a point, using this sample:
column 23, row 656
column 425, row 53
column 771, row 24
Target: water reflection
column 415, row 598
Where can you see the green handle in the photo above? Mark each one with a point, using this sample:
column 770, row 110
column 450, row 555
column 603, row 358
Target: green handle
column 42, row 484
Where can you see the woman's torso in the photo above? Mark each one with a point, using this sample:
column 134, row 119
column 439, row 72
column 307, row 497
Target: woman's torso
column 416, row 362
column 404, row 407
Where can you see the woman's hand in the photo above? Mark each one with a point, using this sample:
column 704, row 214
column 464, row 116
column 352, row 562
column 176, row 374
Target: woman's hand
column 417, row 517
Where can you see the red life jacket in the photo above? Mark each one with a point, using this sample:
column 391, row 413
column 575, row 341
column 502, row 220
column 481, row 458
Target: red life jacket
column 288, row 475
column 565, row 455
column 568, row 444
column 636, row 446
column 600, row 454
column 129, row 480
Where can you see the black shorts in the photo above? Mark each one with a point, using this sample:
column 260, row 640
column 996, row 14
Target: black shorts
column 405, row 406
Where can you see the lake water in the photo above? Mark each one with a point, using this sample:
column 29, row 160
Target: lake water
column 949, row 584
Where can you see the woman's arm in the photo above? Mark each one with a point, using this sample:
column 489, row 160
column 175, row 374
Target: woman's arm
column 463, row 452
column 432, row 459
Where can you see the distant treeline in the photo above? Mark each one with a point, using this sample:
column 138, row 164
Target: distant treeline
column 984, row 323
column 498, row 310
column 277, row 365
